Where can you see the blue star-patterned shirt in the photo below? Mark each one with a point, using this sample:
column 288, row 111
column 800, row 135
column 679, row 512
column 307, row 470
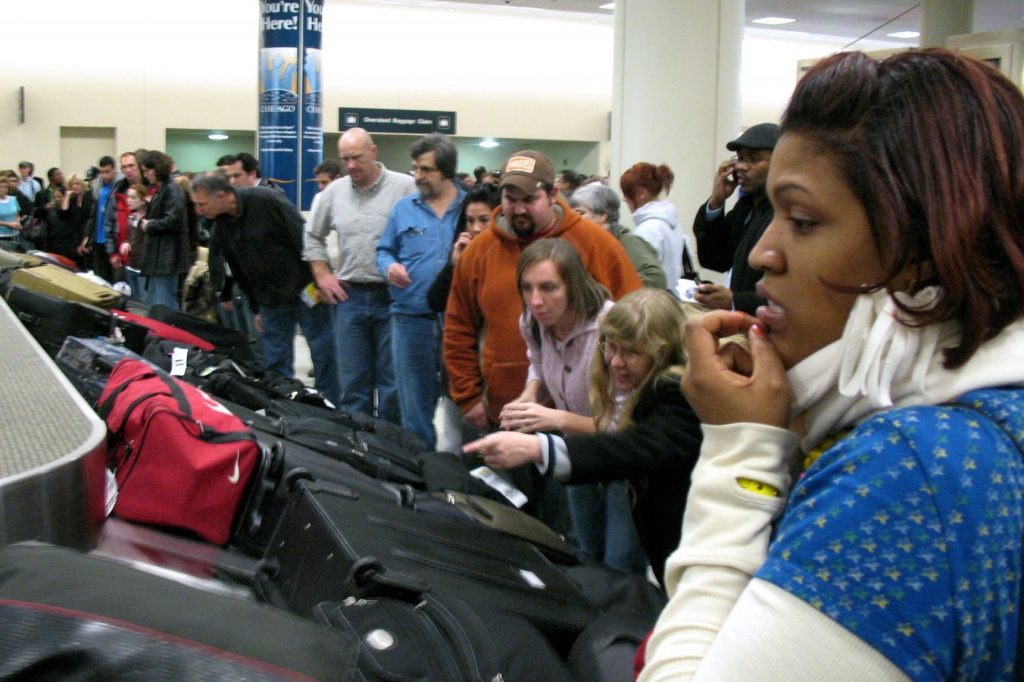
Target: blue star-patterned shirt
column 908, row 533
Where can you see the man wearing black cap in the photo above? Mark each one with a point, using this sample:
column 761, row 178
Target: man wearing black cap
column 724, row 240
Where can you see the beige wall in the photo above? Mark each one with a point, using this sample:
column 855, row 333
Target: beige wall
column 143, row 67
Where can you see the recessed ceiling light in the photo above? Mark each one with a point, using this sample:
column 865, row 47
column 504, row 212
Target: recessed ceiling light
column 489, row 143
column 773, row 21
column 217, row 136
column 608, row 6
column 904, row 34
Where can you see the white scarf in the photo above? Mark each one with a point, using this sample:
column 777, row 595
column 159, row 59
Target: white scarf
column 880, row 363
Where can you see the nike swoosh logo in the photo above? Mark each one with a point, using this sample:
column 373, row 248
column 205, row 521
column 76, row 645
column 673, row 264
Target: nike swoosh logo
column 233, row 478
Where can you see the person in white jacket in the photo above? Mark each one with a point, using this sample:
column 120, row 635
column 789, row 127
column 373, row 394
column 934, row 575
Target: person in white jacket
column 644, row 188
column 857, row 509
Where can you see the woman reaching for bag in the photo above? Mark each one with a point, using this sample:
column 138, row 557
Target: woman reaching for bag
column 649, row 435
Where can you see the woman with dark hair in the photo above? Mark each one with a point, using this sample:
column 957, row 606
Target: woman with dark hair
column 644, row 187
column 166, row 254
column 887, row 365
column 477, row 208
column 568, row 181
column 562, row 308
column 646, row 432
column 475, row 217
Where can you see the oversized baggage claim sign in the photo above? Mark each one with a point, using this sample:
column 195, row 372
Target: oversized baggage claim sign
column 290, row 138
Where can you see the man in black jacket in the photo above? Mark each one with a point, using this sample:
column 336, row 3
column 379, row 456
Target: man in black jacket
column 260, row 235
column 725, row 240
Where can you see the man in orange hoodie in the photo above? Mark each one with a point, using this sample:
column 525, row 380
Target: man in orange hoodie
column 485, row 373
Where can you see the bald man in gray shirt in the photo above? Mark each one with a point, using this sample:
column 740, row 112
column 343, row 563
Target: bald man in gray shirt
column 356, row 207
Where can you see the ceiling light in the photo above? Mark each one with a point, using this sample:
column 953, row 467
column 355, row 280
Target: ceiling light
column 773, row 21
column 489, row 143
column 904, row 34
column 217, row 136
column 608, row 6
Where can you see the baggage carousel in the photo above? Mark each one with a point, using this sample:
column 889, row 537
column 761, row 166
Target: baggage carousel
column 52, row 448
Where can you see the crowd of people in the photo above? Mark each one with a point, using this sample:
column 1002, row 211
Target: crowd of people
column 819, row 460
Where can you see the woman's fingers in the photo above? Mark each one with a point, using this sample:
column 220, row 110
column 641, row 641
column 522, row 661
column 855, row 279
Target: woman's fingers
column 730, row 384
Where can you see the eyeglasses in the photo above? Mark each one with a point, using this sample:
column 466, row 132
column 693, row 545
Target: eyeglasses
column 610, row 349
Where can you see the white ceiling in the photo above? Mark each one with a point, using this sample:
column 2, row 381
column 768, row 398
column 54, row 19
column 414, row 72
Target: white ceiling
column 849, row 19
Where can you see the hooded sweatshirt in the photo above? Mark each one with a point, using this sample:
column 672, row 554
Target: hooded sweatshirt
column 484, row 353
column 658, row 224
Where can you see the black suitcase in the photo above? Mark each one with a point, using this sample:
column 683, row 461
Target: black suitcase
column 51, row 319
column 235, row 343
column 230, row 378
column 361, row 450
column 327, row 528
column 393, row 433
column 69, row 615
column 406, row 633
column 292, row 462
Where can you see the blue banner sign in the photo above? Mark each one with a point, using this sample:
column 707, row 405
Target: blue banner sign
column 290, row 136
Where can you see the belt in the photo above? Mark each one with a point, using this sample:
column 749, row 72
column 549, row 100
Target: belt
column 367, row 285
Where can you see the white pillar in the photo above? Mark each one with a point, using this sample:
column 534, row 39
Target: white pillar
column 675, row 95
column 943, row 18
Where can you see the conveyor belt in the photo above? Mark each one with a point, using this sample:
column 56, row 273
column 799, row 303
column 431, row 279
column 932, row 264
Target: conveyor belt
column 52, row 447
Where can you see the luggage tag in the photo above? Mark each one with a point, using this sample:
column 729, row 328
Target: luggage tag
column 511, row 493
column 532, row 579
column 111, row 493
column 179, row 362
column 310, row 295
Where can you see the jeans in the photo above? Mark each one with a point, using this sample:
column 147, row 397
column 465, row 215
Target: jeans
column 278, row 341
column 362, row 332
column 136, row 282
column 161, row 290
column 603, row 524
column 415, row 346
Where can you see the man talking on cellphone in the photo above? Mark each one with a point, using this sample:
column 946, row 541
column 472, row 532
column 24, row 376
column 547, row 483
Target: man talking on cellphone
column 725, row 239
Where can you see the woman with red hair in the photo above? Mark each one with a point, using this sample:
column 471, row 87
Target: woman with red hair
column 886, row 369
column 644, row 187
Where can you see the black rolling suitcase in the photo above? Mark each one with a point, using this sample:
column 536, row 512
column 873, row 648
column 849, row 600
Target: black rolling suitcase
column 393, row 433
column 233, row 342
column 327, row 528
column 407, row 633
column 51, row 319
column 230, row 378
column 74, row 616
column 293, row 462
column 333, row 440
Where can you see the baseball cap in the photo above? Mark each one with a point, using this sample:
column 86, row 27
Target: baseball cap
column 761, row 136
column 527, row 170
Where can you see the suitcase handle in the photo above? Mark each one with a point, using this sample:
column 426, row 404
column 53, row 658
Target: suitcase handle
column 367, row 579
